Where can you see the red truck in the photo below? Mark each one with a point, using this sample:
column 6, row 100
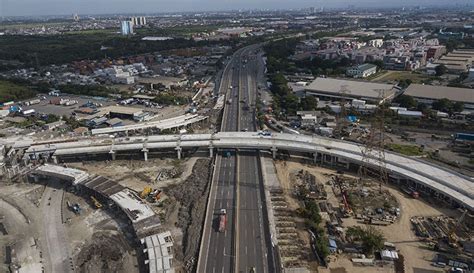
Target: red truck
column 413, row 193
column 222, row 220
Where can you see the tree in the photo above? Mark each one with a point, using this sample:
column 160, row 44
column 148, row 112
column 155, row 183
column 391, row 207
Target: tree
column 309, row 103
column 458, row 106
column 404, row 83
column 406, row 101
column 442, row 105
column 378, row 63
column 370, row 238
column 441, row 70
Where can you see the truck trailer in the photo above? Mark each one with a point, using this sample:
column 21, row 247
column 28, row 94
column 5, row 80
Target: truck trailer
column 222, row 220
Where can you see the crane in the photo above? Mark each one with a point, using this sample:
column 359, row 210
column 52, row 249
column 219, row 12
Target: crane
column 452, row 238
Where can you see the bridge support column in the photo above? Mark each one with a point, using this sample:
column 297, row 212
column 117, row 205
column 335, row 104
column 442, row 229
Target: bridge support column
column 333, row 160
column 315, row 157
column 55, row 159
column 178, row 150
column 112, row 153
column 211, row 151
column 145, row 154
column 274, row 151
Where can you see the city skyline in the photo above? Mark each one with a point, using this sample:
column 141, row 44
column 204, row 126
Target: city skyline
column 54, row 7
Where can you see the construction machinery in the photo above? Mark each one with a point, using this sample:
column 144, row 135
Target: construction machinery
column 154, row 196
column 410, row 191
column 96, row 202
column 452, row 238
column 146, row 191
column 347, row 209
column 74, row 207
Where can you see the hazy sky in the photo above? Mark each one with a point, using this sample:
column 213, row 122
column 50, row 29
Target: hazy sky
column 57, row 7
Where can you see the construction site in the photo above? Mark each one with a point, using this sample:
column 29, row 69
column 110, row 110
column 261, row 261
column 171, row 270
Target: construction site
column 87, row 220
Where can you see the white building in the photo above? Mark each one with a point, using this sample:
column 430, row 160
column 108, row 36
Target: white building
column 362, row 71
column 376, row 43
column 127, row 27
column 471, row 74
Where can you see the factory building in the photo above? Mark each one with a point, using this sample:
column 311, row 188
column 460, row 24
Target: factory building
column 328, row 89
column 428, row 94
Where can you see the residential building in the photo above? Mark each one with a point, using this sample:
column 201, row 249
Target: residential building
column 435, row 52
column 127, row 27
column 362, row 71
column 376, row 43
column 138, row 21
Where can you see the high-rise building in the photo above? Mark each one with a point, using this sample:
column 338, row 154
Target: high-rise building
column 138, row 21
column 127, row 27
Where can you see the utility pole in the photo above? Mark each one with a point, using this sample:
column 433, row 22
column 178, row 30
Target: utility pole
column 373, row 161
column 341, row 118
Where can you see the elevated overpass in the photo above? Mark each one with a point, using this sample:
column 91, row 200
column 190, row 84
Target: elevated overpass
column 441, row 182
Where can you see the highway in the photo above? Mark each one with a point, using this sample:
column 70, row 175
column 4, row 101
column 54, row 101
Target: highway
column 250, row 244
column 217, row 251
column 237, row 185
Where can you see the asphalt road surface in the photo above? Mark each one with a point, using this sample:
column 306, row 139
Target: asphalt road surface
column 237, row 186
column 57, row 244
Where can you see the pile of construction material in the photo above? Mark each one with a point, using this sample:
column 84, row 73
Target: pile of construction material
column 438, row 227
column 290, row 245
column 314, row 189
column 166, row 174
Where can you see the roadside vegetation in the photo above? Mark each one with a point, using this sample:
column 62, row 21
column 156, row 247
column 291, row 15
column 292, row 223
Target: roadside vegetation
column 408, row 150
column 369, row 237
column 13, row 91
column 35, row 51
column 311, row 213
column 170, row 99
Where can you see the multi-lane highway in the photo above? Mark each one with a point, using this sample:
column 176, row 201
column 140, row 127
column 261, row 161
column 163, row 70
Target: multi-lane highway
column 217, row 252
column 237, row 185
column 251, row 240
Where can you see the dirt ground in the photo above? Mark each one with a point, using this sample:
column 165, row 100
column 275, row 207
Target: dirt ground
column 137, row 174
column 190, row 199
column 431, row 145
column 400, row 233
column 106, row 252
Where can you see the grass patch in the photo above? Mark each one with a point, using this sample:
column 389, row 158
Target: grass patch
column 404, row 75
column 10, row 91
column 409, row 150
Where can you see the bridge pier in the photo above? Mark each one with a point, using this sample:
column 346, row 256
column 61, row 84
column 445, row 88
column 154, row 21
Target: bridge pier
column 178, row 150
column 211, row 151
column 112, row 153
column 145, row 154
column 274, row 151
column 315, row 157
column 55, row 159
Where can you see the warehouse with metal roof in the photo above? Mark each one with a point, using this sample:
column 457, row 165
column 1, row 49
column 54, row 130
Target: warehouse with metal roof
column 337, row 89
column 428, row 94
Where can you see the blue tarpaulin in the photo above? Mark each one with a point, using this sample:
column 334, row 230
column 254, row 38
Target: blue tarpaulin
column 352, row 118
